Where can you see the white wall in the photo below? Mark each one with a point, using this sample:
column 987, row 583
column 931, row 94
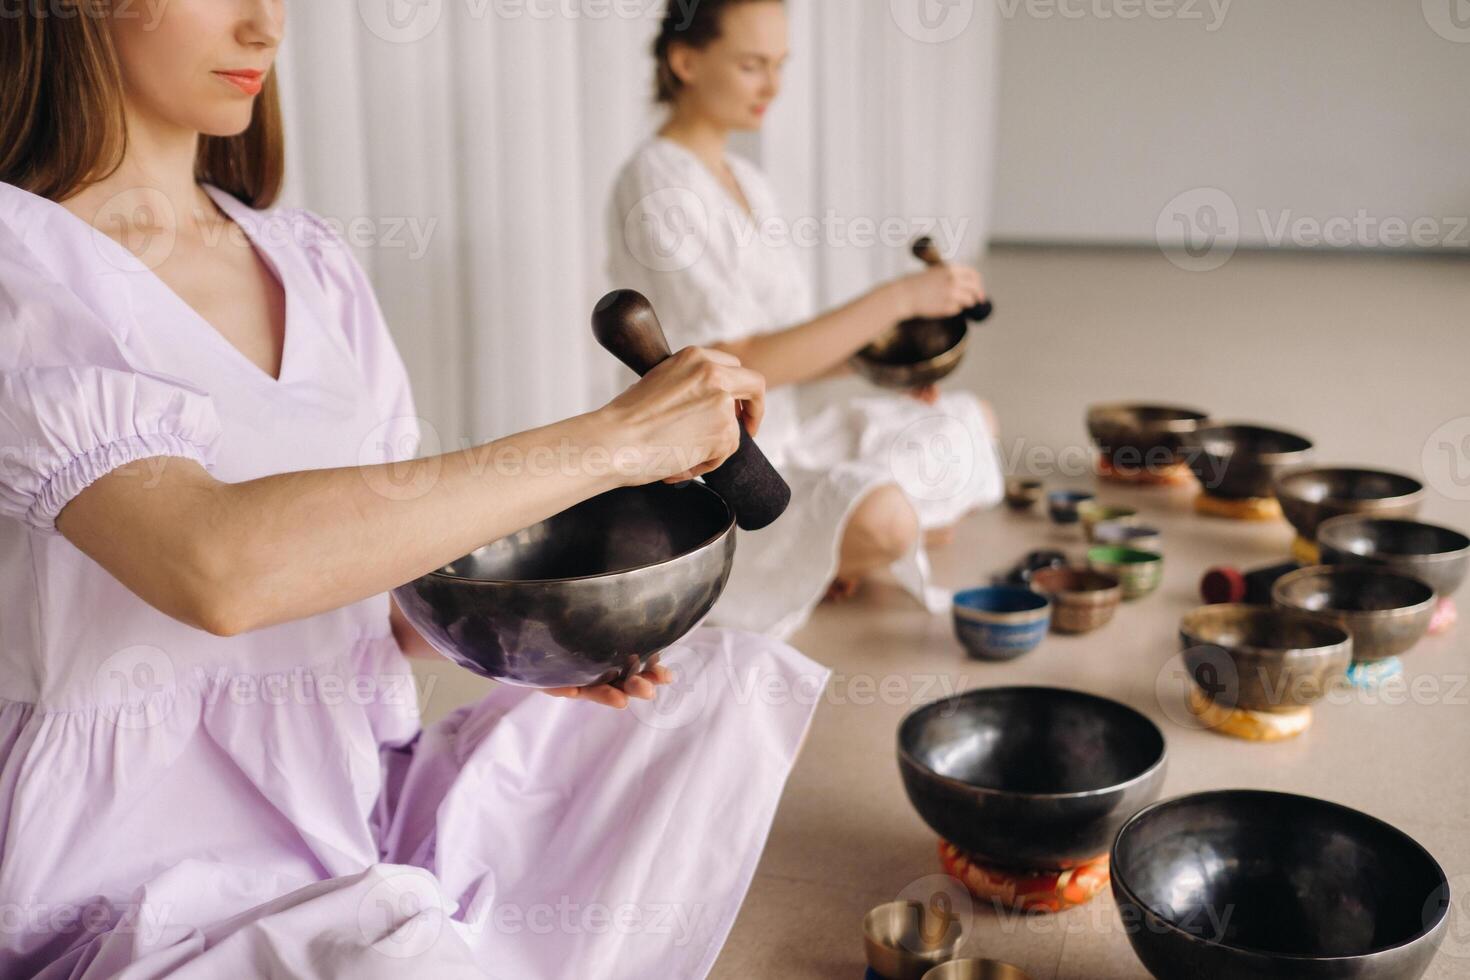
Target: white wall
column 1300, row 108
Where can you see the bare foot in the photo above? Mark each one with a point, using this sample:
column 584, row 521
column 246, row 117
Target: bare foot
column 939, row 537
column 841, row 590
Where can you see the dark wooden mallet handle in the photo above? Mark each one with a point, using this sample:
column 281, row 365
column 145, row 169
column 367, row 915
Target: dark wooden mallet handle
column 625, row 324
column 926, row 252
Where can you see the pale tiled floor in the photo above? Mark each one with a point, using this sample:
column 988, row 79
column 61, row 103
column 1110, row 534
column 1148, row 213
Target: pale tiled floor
column 1366, row 354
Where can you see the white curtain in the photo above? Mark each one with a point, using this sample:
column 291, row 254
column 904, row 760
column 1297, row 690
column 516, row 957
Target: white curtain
column 467, row 148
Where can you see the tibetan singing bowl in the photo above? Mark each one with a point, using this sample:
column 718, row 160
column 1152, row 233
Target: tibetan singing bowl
column 1139, row 435
column 976, row 970
column 914, row 353
column 1270, row 886
column 1242, row 461
column 904, row 940
column 1386, row 613
column 1309, row 497
column 585, row 597
column 1438, row 556
column 1031, row 778
column 1263, row 659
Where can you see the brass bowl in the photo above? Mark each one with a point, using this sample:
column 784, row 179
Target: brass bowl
column 1023, row 494
column 977, row 970
column 1438, row 556
column 1385, row 612
column 905, row 940
column 1138, row 435
column 1310, row 496
column 915, row 353
column 1094, row 512
column 1082, row 599
column 1263, row 659
column 585, row 597
column 1140, row 537
column 1240, row 462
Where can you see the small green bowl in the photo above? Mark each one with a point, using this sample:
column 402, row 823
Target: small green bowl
column 1139, row 572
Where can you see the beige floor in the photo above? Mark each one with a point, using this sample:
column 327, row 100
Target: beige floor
column 1366, row 354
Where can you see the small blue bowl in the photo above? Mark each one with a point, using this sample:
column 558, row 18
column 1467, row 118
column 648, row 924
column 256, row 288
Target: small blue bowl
column 1063, row 504
column 1001, row 622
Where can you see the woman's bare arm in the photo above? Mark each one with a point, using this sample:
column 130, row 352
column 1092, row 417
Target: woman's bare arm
column 229, row 558
column 820, row 347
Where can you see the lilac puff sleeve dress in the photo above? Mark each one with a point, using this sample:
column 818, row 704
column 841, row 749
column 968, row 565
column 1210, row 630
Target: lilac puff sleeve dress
column 716, row 274
column 177, row 804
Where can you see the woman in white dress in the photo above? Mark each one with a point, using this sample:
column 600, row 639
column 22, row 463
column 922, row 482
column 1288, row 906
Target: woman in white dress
column 873, row 478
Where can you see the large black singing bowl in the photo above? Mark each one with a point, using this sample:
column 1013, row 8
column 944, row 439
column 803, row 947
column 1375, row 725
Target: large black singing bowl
column 585, row 597
column 1029, row 777
column 1248, row 885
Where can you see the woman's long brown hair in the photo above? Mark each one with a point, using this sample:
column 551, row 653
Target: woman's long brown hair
column 62, row 125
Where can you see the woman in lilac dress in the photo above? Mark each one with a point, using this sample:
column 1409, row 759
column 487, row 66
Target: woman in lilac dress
column 211, row 763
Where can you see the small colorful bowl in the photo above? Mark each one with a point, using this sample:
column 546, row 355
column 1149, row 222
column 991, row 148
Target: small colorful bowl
column 1138, row 571
column 1001, row 622
column 1092, row 513
column 1139, row 537
column 1063, row 505
column 1083, row 599
column 1023, row 494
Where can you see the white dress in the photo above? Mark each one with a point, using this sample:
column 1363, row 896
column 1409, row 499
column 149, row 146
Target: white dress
column 714, row 275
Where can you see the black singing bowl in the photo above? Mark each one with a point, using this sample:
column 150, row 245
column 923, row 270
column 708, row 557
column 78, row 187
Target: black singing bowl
column 585, row 597
column 915, row 353
column 1438, row 556
column 1249, row 885
column 1242, row 461
column 1310, row 496
column 1029, row 777
column 1141, row 435
column 1386, row 613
